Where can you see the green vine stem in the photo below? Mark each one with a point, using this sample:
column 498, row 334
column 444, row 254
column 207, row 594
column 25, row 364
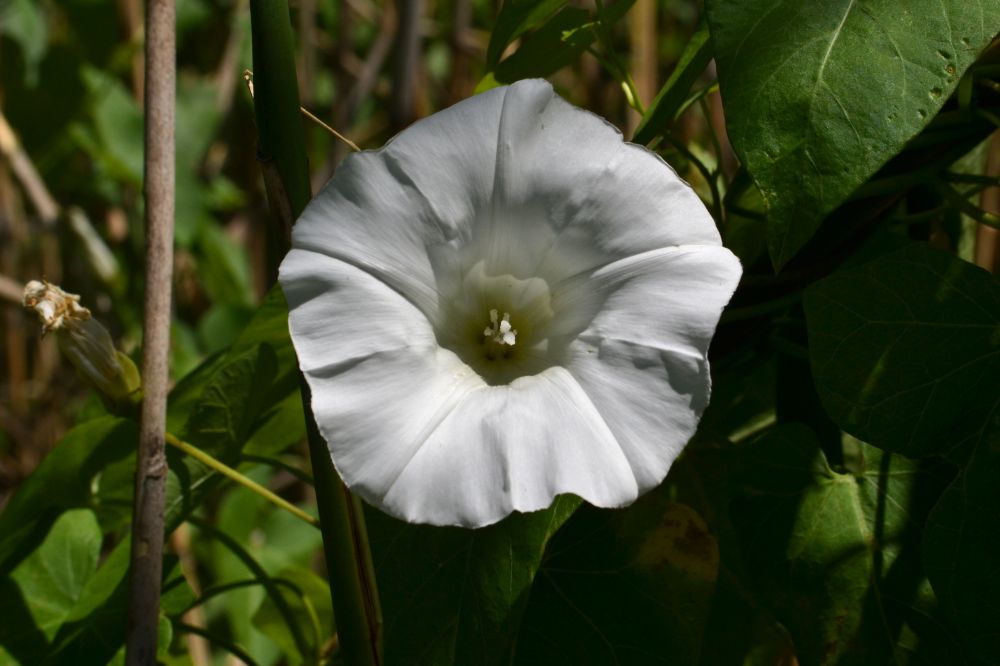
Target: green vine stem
column 232, row 474
column 281, row 151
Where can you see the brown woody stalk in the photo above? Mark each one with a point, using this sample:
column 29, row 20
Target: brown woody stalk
column 151, row 464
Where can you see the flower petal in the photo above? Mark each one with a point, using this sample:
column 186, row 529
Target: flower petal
column 379, row 381
column 400, row 212
column 513, row 447
column 643, row 358
column 566, row 173
column 517, row 176
column 326, row 299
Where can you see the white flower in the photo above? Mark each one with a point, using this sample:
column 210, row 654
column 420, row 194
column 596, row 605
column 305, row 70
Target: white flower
column 505, row 303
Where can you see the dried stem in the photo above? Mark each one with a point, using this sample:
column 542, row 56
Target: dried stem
column 49, row 211
column 151, row 464
column 27, row 175
column 11, row 290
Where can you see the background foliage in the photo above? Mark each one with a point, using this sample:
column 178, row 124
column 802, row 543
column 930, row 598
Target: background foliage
column 839, row 503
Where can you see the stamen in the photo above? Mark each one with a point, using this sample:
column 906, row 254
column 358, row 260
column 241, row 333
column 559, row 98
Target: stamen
column 500, row 331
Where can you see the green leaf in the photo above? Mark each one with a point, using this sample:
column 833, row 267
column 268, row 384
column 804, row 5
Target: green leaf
column 630, row 586
column 962, row 540
column 516, row 17
column 65, row 479
column 556, row 44
column 118, row 122
column 226, row 416
column 223, row 267
column 278, row 542
column 452, row 595
column 231, row 403
column 225, row 404
column 819, row 95
column 94, row 630
column 24, row 22
column 693, row 61
column 837, row 556
column 41, row 592
column 903, row 347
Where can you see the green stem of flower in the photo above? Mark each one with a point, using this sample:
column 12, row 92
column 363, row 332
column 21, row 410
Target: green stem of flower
column 232, row 474
column 283, row 157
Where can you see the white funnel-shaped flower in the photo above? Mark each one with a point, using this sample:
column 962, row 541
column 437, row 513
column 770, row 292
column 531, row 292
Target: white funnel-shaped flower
column 505, row 303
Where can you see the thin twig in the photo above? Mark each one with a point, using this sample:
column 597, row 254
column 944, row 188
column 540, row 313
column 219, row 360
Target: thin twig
column 248, row 77
column 308, row 114
column 151, row 464
column 49, row 211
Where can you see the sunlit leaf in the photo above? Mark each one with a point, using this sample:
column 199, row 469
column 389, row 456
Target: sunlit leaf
column 836, row 556
column 819, row 95
column 42, row 591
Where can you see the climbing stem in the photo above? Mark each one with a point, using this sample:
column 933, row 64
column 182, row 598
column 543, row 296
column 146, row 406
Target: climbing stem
column 232, row 474
column 281, row 151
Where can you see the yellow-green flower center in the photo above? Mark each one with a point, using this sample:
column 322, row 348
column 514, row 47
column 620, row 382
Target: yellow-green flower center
column 498, row 324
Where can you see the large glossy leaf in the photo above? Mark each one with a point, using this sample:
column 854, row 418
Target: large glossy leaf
column 623, row 587
column 456, row 596
column 837, row 556
column 903, row 347
column 819, row 95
